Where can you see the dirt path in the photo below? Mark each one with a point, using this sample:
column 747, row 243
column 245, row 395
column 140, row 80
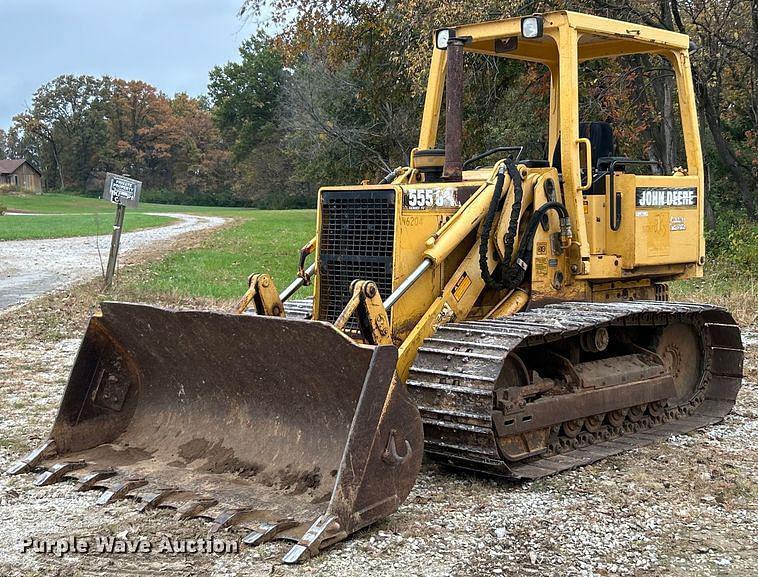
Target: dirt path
column 31, row 268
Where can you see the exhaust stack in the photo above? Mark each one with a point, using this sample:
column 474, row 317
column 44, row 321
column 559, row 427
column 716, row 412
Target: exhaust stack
column 453, row 169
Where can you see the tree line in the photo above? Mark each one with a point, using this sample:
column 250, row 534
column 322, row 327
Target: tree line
column 80, row 127
column 335, row 96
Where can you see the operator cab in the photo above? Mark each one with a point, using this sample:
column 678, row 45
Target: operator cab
column 642, row 212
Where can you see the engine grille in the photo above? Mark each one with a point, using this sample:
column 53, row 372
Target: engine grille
column 356, row 242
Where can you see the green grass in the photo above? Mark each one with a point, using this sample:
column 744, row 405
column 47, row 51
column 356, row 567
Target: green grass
column 70, row 215
column 53, row 202
column 725, row 285
column 267, row 241
column 55, row 226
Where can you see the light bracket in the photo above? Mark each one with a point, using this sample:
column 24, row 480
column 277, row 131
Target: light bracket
column 442, row 36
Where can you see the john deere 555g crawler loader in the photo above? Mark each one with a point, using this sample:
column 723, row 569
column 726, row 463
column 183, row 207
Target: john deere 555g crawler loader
column 509, row 317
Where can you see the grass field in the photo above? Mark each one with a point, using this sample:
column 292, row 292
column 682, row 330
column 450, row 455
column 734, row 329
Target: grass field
column 260, row 241
column 265, row 241
column 66, row 203
column 61, row 226
column 68, row 215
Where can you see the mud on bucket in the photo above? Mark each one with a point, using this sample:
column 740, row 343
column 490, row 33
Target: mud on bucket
column 285, row 427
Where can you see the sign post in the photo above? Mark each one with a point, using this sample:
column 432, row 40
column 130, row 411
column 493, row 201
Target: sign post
column 122, row 192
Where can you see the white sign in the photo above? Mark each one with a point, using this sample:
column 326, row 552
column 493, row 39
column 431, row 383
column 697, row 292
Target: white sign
column 121, row 189
column 678, row 223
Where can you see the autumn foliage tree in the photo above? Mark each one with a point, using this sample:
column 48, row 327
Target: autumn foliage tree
column 359, row 72
column 80, row 127
column 336, row 94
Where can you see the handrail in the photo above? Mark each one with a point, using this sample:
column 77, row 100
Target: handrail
column 487, row 153
column 588, row 148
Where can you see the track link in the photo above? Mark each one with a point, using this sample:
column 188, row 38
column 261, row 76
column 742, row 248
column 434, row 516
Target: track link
column 301, row 309
column 454, row 375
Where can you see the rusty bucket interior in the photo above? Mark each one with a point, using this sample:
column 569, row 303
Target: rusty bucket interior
column 285, row 427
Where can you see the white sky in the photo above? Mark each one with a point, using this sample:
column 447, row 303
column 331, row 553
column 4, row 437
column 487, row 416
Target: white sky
column 172, row 44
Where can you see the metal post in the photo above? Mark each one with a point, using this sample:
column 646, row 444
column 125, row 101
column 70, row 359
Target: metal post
column 118, row 224
column 452, row 170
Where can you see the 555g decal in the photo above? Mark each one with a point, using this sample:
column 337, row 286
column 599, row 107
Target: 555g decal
column 430, row 198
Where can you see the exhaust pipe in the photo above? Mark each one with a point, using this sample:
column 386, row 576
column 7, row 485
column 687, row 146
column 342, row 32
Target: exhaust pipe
column 453, row 169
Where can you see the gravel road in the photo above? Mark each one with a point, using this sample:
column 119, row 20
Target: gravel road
column 30, row 268
column 684, row 507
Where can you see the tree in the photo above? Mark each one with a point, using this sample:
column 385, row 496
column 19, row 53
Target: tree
column 246, row 95
column 65, row 124
column 79, row 127
column 386, row 44
column 201, row 160
column 726, row 78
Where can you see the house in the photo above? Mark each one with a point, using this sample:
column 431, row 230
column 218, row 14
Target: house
column 21, row 174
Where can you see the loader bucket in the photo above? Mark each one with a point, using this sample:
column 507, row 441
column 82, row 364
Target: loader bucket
column 284, row 427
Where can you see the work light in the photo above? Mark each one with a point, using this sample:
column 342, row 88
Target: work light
column 531, row 26
column 442, row 37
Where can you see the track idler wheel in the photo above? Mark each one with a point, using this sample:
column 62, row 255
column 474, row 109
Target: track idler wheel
column 572, row 428
column 681, row 349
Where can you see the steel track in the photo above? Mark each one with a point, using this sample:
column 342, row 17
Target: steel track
column 301, row 309
column 454, row 374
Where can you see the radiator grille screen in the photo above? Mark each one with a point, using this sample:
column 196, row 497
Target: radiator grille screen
column 356, row 242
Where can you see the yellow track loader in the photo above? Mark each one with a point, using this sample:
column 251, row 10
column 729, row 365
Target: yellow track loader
column 503, row 315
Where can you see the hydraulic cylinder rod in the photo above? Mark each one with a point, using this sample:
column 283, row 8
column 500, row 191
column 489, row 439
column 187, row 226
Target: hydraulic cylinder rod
column 407, row 283
column 296, row 284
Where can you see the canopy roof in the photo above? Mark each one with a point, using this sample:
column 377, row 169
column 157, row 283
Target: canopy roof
column 597, row 37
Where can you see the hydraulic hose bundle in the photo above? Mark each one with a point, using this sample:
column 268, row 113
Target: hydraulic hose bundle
column 508, row 275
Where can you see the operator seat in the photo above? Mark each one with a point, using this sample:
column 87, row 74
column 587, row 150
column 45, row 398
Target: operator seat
column 600, row 135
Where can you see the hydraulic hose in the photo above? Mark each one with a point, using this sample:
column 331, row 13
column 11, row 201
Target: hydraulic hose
column 494, row 280
column 509, row 275
column 518, row 195
column 487, row 228
column 513, row 274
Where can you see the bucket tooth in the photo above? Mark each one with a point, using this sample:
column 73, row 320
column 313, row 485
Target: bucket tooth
column 194, row 508
column 325, row 528
column 268, row 531
column 154, row 500
column 31, row 459
column 231, row 517
column 57, row 472
column 93, row 479
column 120, row 491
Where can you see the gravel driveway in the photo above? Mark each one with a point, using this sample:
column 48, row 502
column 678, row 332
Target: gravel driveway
column 30, row 268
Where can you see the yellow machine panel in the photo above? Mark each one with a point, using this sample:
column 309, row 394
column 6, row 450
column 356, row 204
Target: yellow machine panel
column 660, row 224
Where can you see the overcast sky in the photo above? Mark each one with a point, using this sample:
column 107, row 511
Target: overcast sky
column 172, row 44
